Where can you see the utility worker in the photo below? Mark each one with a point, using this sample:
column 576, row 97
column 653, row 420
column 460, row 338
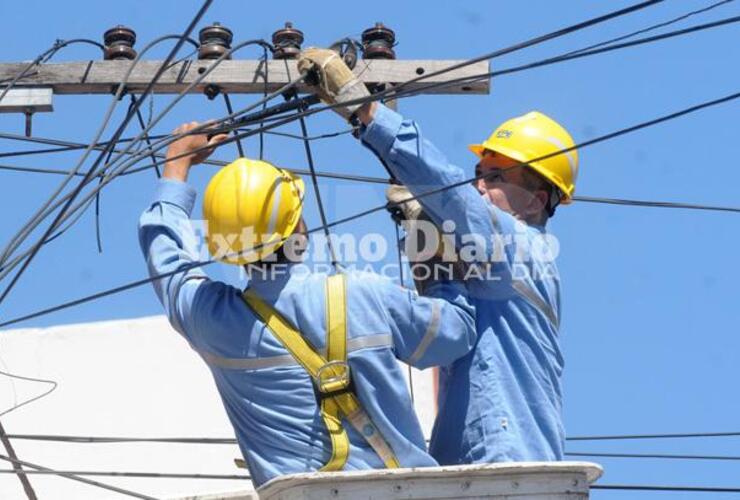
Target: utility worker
column 501, row 402
column 305, row 363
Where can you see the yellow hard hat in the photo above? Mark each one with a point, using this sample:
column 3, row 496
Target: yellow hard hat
column 251, row 207
column 531, row 136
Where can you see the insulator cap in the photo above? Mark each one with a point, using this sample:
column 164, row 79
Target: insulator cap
column 377, row 42
column 119, row 42
column 215, row 41
column 287, row 42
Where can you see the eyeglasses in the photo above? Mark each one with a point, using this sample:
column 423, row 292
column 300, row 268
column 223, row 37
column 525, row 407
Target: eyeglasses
column 493, row 175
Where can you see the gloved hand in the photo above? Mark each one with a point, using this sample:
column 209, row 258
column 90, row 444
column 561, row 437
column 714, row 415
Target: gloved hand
column 336, row 82
column 441, row 262
column 395, row 194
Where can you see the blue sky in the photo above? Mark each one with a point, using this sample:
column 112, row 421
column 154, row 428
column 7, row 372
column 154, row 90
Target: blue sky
column 650, row 316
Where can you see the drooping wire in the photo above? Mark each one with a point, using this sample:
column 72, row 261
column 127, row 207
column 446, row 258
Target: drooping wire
column 120, row 170
column 16, row 240
column 504, row 51
column 491, row 55
column 54, row 385
column 384, row 207
column 317, row 193
column 50, row 206
column 74, row 477
column 559, row 59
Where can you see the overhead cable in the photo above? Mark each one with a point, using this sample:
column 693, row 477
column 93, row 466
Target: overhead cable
column 619, row 437
column 591, row 142
column 148, row 475
column 74, row 477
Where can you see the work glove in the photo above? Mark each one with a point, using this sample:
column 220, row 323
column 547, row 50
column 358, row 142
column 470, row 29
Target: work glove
column 331, row 79
column 412, row 212
column 409, row 210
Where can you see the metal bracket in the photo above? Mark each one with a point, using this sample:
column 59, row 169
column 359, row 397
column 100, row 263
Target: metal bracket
column 28, row 101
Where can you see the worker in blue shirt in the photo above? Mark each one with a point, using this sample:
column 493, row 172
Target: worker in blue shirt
column 305, row 363
column 502, row 401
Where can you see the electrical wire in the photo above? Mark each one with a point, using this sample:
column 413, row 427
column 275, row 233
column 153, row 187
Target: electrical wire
column 110, row 440
column 202, row 440
column 119, row 92
column 654, row 204
column 507, row 50
column 528, row 43
column 591, row 142
column 50, row 206
column 17, row 239
column 637, row 487
column 32, row 223
column 44, row 57
column 74, row 477
column 567, row 57
column 654, row 26
column 620, row 437
column 653, row 455
column 54, row 385
column 317, row 193
column 230, row 110
column 74, row 146
column 8, row 266
column 397, row 94
column 149, row 475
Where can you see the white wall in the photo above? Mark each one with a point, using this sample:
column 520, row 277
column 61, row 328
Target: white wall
column 134, row 378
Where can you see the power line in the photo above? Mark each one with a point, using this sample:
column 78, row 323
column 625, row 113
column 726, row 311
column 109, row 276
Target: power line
column 654, row 204
column 75, row 477
column 617, row 437
column 50, row 205
column 101, row 439
column 204, row 440
column 149, row 475
column 571, row 56
column 54, row 385
column 530, row 43
column 384, row 207
column 637, row 487
column 654, row 26
column 160, row 71
column 500, row 52
column 653, row 455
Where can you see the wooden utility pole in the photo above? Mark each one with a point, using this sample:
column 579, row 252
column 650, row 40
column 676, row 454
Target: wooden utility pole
column 234, row 76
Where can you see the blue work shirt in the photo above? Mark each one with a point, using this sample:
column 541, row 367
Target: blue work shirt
column 268, row 397
column 501, row 402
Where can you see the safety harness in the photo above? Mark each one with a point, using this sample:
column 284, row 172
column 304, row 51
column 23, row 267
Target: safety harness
column 330, row 374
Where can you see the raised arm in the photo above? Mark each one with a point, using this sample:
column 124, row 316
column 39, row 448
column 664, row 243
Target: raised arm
column 419, row 165
column 166, row 235
column 431, row 330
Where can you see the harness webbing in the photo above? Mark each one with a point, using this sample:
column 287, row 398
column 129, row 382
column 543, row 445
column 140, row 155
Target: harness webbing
column 330, row 375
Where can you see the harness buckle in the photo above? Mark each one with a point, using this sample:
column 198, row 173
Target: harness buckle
column 333, row 377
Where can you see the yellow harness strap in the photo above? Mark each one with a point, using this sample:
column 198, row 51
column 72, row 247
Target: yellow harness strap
column 330, row 375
